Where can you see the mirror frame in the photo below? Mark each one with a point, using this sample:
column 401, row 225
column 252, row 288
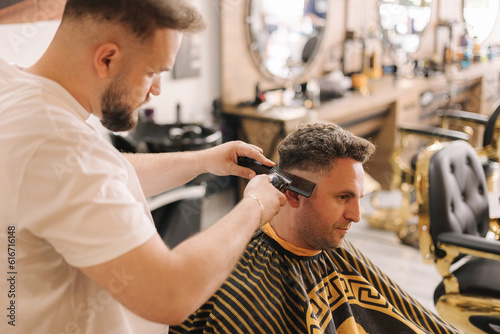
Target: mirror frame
column 419, row 34
column 258, row 61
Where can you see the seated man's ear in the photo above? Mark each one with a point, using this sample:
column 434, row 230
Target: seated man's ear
column 292, row 198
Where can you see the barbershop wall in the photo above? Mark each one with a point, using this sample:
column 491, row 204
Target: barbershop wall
column 240, row 76
column 195, row 91
column 23, row 44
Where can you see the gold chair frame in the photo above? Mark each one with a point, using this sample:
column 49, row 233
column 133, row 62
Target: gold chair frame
column 452, row 306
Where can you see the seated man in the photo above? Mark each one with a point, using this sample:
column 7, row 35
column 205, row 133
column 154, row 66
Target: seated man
column 299, row 274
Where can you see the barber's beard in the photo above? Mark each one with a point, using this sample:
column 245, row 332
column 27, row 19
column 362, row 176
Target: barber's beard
column 117, row 113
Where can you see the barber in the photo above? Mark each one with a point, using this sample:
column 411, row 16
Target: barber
column 87, row 257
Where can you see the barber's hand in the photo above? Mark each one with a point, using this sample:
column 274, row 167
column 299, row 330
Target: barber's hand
column 223, row 159
column 261, row 189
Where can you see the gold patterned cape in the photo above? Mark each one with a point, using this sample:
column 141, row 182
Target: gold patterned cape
column 278, row 288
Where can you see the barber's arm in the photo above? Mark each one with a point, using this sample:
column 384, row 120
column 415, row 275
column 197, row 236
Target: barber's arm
column 160, row 172
column 166, row 285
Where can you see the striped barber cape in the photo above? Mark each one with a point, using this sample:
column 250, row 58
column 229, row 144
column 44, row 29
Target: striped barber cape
column 279, row 288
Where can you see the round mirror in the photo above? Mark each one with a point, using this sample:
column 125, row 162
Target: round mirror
column 480, row 17
column 403, row 22
column 283, row 35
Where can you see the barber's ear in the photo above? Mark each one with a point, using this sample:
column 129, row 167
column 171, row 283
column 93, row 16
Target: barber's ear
column 108, row 60
column 292, row 198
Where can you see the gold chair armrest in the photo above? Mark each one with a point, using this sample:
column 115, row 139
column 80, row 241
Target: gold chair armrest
column 452, row 252
column 467, row 251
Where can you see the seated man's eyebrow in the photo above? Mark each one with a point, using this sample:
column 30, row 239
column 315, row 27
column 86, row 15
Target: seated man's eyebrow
column 348, row 193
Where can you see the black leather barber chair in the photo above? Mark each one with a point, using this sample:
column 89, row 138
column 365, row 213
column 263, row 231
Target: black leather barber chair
column 488, row 146
column 413, row 139
column 458, row 236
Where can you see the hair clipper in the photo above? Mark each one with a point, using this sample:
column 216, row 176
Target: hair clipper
column 280, row 182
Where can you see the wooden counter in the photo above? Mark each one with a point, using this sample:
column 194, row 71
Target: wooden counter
column 376, row 116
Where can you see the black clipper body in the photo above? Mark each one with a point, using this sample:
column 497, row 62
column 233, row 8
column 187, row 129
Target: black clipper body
column 280, row 182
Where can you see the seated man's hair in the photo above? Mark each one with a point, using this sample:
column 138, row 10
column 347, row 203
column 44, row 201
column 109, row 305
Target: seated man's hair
column 314, row 147
column 142, row 17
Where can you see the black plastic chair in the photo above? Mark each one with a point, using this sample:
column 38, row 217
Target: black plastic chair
column 457, row 234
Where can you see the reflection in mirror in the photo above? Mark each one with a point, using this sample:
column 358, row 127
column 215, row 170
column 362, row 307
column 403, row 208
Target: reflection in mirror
column 283, row 35
column 480, row 17
column 403, row 22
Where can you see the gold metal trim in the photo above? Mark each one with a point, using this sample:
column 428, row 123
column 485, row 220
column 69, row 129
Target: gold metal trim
column 495, row 228
column 456, row 250
column 422, row 191
column 457, row 309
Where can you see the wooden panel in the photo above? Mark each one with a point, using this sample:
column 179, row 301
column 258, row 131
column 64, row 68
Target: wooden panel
column 408, row 108
column 378, row 126
column 264, row 134
column 379, row 167
column 32, row 10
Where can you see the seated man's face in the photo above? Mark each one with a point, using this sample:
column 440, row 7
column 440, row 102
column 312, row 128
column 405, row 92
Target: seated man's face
column 322, row 221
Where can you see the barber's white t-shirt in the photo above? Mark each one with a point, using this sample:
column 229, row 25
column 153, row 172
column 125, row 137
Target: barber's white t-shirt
column 68, row 199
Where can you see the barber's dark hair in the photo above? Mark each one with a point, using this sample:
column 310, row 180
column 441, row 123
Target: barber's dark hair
column 142, row 17
column 314, row 147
